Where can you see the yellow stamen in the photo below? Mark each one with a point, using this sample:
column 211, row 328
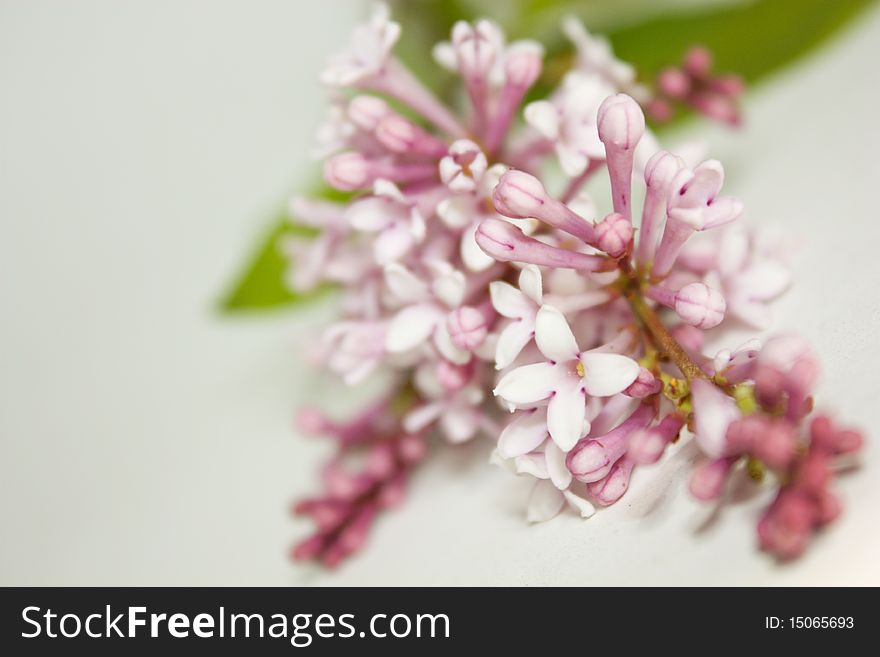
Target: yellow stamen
column 580, row 369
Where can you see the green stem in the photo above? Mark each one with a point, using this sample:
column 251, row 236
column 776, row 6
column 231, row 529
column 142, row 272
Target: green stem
column 663, row 340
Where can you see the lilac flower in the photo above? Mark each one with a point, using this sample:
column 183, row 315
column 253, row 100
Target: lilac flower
column 520, row 305
column 567, row 376
column 594, row 55
column 569, row 122
column 749, row 275
column 397, row 220
column 460, row 270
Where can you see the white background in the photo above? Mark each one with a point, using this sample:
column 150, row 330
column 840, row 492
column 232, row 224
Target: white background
column 147, row 440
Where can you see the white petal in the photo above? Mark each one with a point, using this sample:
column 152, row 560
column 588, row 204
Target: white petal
column 559, row 474
column 565, row 414
column 572, row 161
column 553, row 335
column 543, row 117
column 457, row 211
column 417, row 226
column 449, row 287
column 753, row 313
column 529, row 383
column 527, row 431
column 505, row 464
column 474, row 258
column 713, row 413
column 607, row 374
column 583, row 507
column 583, row 205
column 405, row 285
column 447, row 348
column 410, row 327
column 369, row 214
column 530, row 283
column 459, row 424
column 444, row 54
column 511, row 341
column 733, row 251
column 392, row 244
column 764, row 280
column 509, row 301
column 545, row 502
column 533, row 464
column 420, row 417
column 387, row 189
column 723, row 210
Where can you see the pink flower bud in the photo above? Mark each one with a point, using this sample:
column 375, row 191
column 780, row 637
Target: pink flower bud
column 380, row 461
column 467, row 327
column 647, row 445
column 829, row 508
column 700, row 305
column 674, row 82
column 659, row 109
column 825, row 437
column 454, row 377
column 787, row 526
column 621, row 122
column 412, row 448
column 347, row 172
column 463, row 168
column 474, row 46
column 519, row 195
column 591, row 459
column 729, row 85
column 366, row 112
column 610, row 489
column 708, row 480
column 353, row 537
column 644, row 385
column 506, row 243
column 614, row 234
column 310, row 420
column 814, row 473
column 400, row 135
column 392, row 492
column 662, row 169
column 698, row 61
column 522, row 64
column 309, row 548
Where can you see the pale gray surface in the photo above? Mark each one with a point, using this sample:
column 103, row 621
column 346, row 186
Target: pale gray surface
column 146, row 440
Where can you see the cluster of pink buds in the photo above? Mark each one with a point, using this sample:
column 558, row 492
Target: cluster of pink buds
column 354, row 494
column 503, row 301
column 694, row 85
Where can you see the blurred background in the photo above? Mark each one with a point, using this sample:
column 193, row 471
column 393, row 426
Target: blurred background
column 152, row 361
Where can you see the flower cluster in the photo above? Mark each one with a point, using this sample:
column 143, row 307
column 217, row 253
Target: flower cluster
column 694, row 85
column 567, row 330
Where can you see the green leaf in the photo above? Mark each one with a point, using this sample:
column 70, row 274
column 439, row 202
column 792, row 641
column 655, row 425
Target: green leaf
column 752, row 39
column 261, row 285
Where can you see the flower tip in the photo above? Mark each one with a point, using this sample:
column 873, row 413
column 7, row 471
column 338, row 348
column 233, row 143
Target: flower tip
column 621, row 122
column 661, row 169
column 700, row 305
column 367, row 111
column 497, row 238
column 614, row 234
column 708, row 480
column 523, row 63
column 519, row 195
column 347, row 172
